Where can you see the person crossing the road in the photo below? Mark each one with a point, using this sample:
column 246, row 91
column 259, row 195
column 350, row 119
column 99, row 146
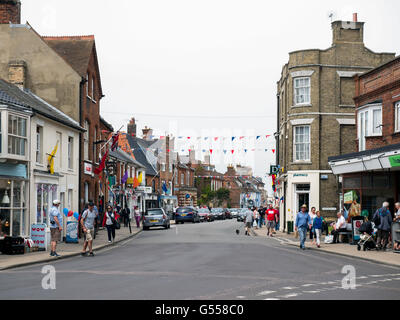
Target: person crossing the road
column 56, row 222
column 248, row 221
column 87, row 222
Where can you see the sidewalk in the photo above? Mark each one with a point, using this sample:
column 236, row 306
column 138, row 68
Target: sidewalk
column 344, row 249
column 66, row 250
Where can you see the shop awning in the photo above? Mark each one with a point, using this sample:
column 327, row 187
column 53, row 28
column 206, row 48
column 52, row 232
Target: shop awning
column 370, row 160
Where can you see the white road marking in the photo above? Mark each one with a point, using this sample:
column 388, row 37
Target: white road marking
column 362, row 277
column 271, row 299
column 290, row 295
column 264, row 293
column 315, row 291
column 241, row 297
column 308, row 285
column 377, row 275
column 289, row 288
column 396, row 278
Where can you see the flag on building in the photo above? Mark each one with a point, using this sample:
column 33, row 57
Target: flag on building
column 50, row 159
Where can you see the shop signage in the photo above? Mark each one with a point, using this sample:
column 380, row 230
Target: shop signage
column 273, row 169
column 329, row 209
column 38, row 234
column 87, row 168
column 394, row 161
column 300, row 175
column 144, row 189
column 356, row 223
column 349, row 197
column 72, row 232
column 324, row 177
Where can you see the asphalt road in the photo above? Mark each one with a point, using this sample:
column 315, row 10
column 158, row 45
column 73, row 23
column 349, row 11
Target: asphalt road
column 203, row 261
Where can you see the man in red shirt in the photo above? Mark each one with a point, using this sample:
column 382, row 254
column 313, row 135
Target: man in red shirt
column 271, row 219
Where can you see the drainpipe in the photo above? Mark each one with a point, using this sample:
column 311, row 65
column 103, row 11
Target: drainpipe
column 81, row 84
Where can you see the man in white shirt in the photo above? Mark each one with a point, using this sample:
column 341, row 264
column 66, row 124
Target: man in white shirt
column 339, row 226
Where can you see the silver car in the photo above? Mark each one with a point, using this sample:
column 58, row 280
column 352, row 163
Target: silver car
column 155, row 217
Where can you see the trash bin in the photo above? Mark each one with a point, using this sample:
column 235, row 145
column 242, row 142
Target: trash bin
column 290, row 226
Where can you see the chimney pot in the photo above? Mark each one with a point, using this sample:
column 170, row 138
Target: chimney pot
column 10, row 11
column 355, row 17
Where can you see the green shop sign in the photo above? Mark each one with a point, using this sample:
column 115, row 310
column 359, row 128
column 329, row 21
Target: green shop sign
column 394, row 161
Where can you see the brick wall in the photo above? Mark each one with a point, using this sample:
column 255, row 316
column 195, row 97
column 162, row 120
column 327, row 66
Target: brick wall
column 10, row 11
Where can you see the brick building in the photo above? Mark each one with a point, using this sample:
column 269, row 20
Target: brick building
column 372, row 175
column 184, row 182
column 316, row 118
column 80, row 53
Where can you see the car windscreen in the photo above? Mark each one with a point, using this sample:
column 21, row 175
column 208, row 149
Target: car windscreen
column 158, row 212
column 183, row 210
column 204, row 211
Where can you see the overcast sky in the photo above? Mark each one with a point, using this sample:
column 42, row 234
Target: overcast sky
column 213, row 63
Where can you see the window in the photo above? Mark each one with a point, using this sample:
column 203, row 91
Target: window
column 87, row 84
column 188, row 178
column 176, row 176
column 182, row 179
column 59, row 154
column 70, row 152
column 93, row 84
column 16, row 135
column 39, row 144
column 397, row 117
column 163, row 167
column 369, row 124
column 302, row 143
column 95, row 154
column 86, row 141
column 302, row 91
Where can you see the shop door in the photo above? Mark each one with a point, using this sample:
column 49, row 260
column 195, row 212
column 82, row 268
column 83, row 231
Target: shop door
column 302, row 196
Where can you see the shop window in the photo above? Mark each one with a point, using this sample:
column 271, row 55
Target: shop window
column 12, row 207
column 351, row 183
column 45, row 194
column 381, row 182
column 367, row 182
column 17, row 135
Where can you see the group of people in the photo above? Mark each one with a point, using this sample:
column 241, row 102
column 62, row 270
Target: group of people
column 88, row 222
column 268, row 217
column 310, row 221
column 316, row 224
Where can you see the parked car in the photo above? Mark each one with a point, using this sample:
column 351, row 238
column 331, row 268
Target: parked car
column 234, row 212
column 155, row 217
column 227, row 213
column 218, row 213
column 186, row 214
column 205, row 215
column 242, row 214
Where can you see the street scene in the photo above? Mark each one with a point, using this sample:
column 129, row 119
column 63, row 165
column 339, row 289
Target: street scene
column 185, row 151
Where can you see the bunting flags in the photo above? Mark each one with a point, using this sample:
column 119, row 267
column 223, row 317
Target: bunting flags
column 125, row 177
column 140, row 178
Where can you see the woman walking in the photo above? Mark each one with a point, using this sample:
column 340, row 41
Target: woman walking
column 256, row 216
column 312, row 232
column 110, row 219
column 317, row 227
column 137, row 216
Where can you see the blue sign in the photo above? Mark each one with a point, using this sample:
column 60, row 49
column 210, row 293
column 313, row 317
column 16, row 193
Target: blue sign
column 72, row 232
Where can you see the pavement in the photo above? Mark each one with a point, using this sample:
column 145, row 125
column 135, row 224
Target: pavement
column 203, row 261
column 66, row 250
column 388, row 257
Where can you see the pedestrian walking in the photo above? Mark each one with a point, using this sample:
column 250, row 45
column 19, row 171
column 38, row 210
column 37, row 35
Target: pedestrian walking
column 87, row 222
column 383, row 222
column 317, row 227
column 261, row 221
column 312, row 216
column 396, row 245
column 110, row 224
column 271, row 220
column 301, row 225
column 137, row 216
column 248, row 221
column 278, row 219
column 256, row 216
column 56, row 222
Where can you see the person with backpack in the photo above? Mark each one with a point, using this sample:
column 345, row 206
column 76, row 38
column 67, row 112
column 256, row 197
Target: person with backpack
column 383, row 222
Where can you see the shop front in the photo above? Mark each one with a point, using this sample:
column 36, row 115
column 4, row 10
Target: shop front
column 368, row 178
column 14, row 218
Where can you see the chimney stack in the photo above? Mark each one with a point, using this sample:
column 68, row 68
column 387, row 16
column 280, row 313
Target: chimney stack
column 17, row 73
column 132, row 127
column 147, row 133
column 10, row 11
column 355, row 18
